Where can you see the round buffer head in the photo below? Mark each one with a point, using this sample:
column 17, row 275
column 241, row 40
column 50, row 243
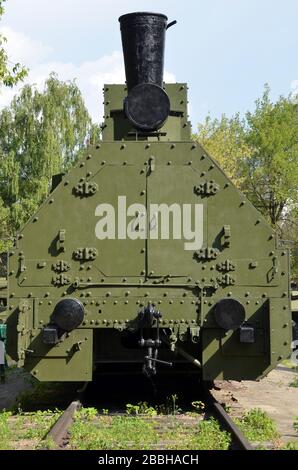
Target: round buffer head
column 147, row 107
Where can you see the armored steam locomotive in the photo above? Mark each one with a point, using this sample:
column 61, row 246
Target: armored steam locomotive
column 145, row 256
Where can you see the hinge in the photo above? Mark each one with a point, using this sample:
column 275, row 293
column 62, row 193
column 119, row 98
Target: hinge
column 209, row 188
column 85, row 188
column 226, row 280
column 61, row 240
column 152, row 164
column 61, row 266
column 88, row 254
column 61, row 280
column 226, row 235
column 227, row 265
column 207, row 253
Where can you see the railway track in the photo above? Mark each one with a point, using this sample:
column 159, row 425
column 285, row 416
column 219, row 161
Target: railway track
column 239, row 440
column 59, row 433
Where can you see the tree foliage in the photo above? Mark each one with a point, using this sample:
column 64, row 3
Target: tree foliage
column 260, row 154
column 10, row 73
column 42, row 133
column 224, row 139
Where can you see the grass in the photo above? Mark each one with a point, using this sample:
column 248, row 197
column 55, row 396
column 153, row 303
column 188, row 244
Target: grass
column 142, row 428
column 294, row 383
column 5, row 433
column 257, row 426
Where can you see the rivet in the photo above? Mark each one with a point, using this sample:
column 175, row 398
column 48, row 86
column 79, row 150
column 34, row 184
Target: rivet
column 50, row 302
column 51, row 201
column 115, row 302
column 247, row 294
column 40, row 302
column 171, row 302
column 98, row 146
column 92, row 322
column 190, row 163
column 229, row 294
column 35, row 219
column 203, row 173
column 138, row 302
column 182, row 302
column 285, row 307
column 103, row 162
column 257, row 302
column 211, row 167
column 159, row 302
column 258, row 221
column 104, row 302
column 126, row 302
column 143, row 192
column 248, row 302
column 123, row 146
column 283, row 253
column 165, row 294
column 283, row 273
column 284, row 294
column 147, row 146
column 108, row 294
column 193, row 147
column 169, row 163
column 124, row 279
column 143, row 272
column 127, row 293
column 173, row 146
column 264, row 295
column 82, row 164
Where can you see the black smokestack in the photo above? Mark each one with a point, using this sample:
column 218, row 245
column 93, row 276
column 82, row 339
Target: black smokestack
column 143, row 38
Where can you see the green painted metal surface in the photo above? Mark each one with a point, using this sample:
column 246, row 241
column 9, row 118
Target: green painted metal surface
column 59, row 255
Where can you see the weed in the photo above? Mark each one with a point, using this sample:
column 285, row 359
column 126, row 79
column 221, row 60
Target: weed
column 141, row 408
column 294, row 383
column 207, row 435
column 291, row 446
column 295, row 424
column 89, row 414
column 257, row 426
column 199, row 406
column 5, row 433
column 116, row 433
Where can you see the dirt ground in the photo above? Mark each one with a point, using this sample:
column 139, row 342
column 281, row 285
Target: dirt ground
column 272, row 394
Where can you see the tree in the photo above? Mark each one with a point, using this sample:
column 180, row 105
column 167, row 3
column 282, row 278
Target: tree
column 42, row 133
column 271, row 171
column 9, row 75
column 224, row 139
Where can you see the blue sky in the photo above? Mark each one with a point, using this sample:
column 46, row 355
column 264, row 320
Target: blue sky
column 225, row 49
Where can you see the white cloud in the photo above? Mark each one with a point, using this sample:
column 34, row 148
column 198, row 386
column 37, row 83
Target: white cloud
column 21, row 48
column 90, row 76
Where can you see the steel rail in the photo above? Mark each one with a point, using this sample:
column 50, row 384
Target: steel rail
column 58, row 431
column 227, row 422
